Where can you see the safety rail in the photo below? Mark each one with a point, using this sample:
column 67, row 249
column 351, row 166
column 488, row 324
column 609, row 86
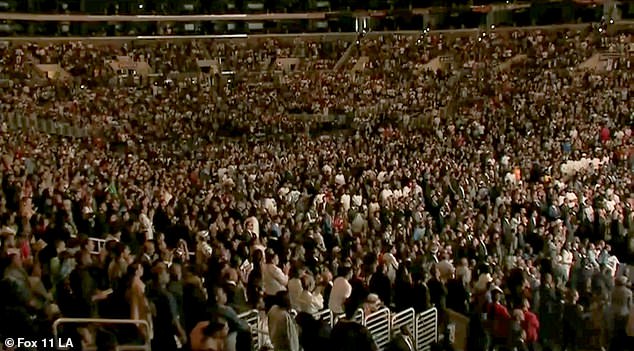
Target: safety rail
column 254, row 321
column 378, row 324
column 12, row 16
column 325, row 316
column 146, row 346
column 621, row 24
column 98, row 245
column 406, row 318
column 359, row 316
column 426, row 329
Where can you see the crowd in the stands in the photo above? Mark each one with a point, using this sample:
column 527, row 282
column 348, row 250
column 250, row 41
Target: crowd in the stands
column 498, row 187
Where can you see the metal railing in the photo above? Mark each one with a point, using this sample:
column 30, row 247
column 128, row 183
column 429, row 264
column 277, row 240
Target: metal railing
column 406, row 318
column 379, row 326
column 98, row 245
column 426, row 329
column 325, row 316
column 12, row 16
column 359, row 316
column 346, row 35
column 146, row 346
column 254, row 321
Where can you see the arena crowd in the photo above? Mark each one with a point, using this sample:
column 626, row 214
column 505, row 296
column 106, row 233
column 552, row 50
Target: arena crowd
column 500, row 191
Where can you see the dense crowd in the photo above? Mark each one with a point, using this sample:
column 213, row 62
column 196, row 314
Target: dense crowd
column 501, row 193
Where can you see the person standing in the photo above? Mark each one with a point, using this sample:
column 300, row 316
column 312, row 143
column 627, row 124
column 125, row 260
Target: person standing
column 572, row 322
column 341, row 291
column 274, row 279
column 530, row 324
column 621, row 305
column 166, row 321
column 499, row 318
column 549, row 309
column 282, row 327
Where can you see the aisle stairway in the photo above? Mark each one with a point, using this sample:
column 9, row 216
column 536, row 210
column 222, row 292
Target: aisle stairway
column 601, row 62
column 343, row 60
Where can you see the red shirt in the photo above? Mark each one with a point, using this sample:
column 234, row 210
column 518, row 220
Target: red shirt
column 25, row 249
column 605, row 134
column 500, row 319
column 530, row 324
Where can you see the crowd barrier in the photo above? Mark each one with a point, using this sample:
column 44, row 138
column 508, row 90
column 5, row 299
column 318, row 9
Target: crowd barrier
column 326, row 316
column 100, row 244
column 618, row 25
column 426, row 330
column 62, row 343
column 383, row 325
column 379, row 326
column 253, row 319
column 97, row 245
column 12, row 16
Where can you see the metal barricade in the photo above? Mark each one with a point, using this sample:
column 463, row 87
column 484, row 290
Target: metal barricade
column 406, row 318
column 378, row 324
column 359, row 317
column 426, row 329
column 98, row 244
column 253, row 320
column 325, row 316
column 146, row 346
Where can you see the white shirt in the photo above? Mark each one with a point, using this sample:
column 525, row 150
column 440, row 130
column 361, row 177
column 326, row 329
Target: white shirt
column 357, row 200
column 309, row 302
column 341, row 291
column 345, row 202
column 613, row 265
column 340, row 179
column 270, row 206
column 273, row 279
column 566, row 258
column 357, row 223
column 294, row 291
column 386, row 194
column 282, row 330
column 392, row 266
column 146, row 224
